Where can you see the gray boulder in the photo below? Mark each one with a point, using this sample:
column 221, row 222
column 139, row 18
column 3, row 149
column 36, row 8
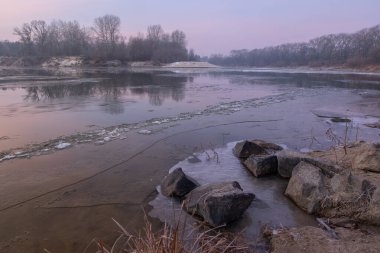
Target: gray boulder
column 306, row 187
column 287, row 161
column 246, row 148
column 268, row 146
column 261, row 165
column 218, row 203
column 177, row 184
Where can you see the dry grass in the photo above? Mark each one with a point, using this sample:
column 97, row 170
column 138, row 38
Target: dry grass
column 177, row 239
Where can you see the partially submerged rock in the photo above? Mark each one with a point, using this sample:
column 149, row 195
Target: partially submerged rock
column 177, row 184
column 246, row 148
column 316, row 240
column 261, row 165
column 218, row 203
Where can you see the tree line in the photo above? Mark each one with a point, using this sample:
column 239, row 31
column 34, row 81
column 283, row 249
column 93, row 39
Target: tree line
column 101, row 41
column 356, row 49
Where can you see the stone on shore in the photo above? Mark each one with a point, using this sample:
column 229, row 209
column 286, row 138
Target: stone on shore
column 268, row 146
column 306, row 187
column 218, row 203
column 177, row 184
column 261, row 165
column 246, row 148
column 287, row 161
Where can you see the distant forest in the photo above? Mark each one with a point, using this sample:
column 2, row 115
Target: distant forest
column 101, row 41
column 357, row 49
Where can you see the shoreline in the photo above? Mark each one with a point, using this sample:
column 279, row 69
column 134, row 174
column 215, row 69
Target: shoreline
column 77, row 62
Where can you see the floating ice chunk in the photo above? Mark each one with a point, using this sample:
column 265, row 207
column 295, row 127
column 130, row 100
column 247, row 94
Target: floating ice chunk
column 7, row 157
column 103, row 132
column 20, row 152
column 156, row 122
column 144, row 131
column 84, row 141
column 63, row 145
column 45, row 150
column 99, row 142
column 107, row 138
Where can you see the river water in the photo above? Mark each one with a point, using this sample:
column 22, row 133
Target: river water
column 125, row 129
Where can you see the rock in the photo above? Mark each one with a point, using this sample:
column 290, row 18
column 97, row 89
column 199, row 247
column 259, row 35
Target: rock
column 218, row 203
column 287, row 161
column 261, row 165
column 306, row 187
column 267, row 145
column 316, row 240
column 366, row 156
column 62, row 145
column 177, row 184
column 246, row 148
column 363, row 156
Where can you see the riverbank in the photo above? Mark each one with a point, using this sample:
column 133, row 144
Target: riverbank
column 82, row 62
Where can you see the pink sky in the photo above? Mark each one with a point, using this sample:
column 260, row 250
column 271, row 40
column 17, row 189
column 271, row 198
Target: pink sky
column 212, row 26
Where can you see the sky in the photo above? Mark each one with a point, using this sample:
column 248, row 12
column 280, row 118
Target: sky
column 211, row 26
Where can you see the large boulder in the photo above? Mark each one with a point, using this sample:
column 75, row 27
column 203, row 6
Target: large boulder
column 177, row 184
column 345, row 194
column 268, row 146
column 246, row 148
column 306, row 187
column 218, row 203
column 362, row 156
column 287, row 161
column 366, row 156
column 261, row 165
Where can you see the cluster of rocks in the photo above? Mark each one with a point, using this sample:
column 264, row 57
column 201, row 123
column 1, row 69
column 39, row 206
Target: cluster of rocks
column 341, row 182
column 216, row 203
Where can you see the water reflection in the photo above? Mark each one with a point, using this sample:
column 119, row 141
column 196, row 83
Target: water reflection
column 308, row 80
column 112, row 89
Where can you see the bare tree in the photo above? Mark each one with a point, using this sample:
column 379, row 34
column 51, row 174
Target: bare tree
column 25, row 34
column 155, row 33
column 40, row 35
column 107, row 29
column 179, row 38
